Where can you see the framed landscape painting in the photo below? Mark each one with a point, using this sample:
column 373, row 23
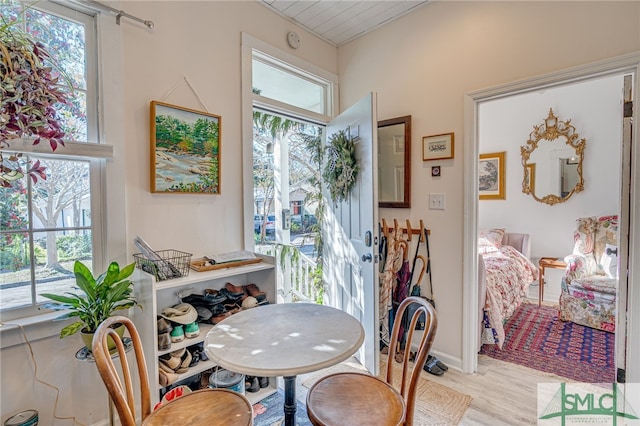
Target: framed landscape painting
column 491, row 176
column 185, row 150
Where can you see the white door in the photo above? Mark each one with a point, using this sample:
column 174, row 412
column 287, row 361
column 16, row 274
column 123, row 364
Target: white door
column 350, row 232
column 623, row 231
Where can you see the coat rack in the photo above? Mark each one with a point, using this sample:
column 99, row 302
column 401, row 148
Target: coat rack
column 408, row 229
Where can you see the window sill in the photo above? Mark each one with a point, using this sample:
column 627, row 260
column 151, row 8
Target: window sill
column 35, row 327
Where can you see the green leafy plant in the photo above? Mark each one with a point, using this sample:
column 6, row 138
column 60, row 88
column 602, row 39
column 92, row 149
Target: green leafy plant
column 30, row 94
column 111, row 291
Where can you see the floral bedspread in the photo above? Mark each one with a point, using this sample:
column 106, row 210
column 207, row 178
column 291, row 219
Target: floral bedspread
column 508, row 276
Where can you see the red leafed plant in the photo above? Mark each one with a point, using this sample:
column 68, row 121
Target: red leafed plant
column 29, row 92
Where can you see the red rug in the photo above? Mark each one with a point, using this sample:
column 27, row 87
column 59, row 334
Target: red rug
column 537, row 339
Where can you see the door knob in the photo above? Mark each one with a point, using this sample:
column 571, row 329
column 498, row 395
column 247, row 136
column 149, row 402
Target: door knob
column 367, row 257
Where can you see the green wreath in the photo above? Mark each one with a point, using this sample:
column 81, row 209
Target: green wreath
column 341, row 169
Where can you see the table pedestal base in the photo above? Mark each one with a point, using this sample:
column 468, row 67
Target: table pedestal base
column 290, row 403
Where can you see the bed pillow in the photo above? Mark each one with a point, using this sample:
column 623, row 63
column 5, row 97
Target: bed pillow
column 491, row 238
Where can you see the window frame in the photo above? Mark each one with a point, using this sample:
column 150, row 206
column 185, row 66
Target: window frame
column 255, row 48
column 94, row 152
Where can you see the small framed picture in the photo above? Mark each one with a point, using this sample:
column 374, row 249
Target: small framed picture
column 437, row 147
column 491, row 176
column 435, row 171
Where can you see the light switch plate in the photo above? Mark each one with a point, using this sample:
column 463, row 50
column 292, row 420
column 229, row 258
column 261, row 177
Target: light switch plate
column 437, row 201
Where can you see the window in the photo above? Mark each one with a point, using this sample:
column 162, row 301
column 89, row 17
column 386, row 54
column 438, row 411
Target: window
column 46, row 226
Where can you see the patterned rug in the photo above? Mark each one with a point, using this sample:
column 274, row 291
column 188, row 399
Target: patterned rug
column 272, row 411
column 537, row 339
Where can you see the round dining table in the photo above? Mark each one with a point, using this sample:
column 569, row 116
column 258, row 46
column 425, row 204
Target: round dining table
column 285, row 340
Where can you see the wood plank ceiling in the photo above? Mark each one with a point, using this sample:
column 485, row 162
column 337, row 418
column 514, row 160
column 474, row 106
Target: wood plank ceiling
column 339, row 22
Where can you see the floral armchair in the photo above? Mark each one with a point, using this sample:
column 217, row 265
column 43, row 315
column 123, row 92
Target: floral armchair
column 590, row 282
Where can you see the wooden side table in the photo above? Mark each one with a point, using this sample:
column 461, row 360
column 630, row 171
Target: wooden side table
column 547, row 262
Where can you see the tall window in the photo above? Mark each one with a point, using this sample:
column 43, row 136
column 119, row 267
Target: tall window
column 46, row 226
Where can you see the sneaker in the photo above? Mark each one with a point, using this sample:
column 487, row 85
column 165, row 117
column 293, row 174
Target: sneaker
column 191, row 330
column 177, row 334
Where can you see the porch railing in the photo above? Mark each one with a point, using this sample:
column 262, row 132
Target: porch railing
column 299, row 278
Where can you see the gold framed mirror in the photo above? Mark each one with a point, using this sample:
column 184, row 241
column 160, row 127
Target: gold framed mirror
column 394, row 162
column 552, row 161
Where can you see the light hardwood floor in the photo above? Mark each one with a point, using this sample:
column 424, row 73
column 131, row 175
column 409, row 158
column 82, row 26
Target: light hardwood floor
column 503, row 393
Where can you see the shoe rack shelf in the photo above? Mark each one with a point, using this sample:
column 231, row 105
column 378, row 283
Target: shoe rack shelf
column 155, row 296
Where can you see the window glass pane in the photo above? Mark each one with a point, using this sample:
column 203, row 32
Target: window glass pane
column 15, row 271
column 55, row 253
column 61, row 205
column 65, row 41
column 13, row 205
column 286, row 87
column 59, row 200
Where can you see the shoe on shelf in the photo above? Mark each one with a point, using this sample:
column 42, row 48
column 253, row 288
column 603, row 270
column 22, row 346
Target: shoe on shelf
column 233, row 292
column 177, row 334
column 251, row 384
column 170, row 360
column 263, row 382
column 185, row 362
column 163, row 325
column 217, row 318
column 164, row 341
column 166, row 378
column 254, row 290
column 191, row 330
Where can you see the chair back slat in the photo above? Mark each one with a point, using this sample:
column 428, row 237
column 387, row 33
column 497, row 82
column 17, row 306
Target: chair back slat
column 123, row 397
column 411, row 371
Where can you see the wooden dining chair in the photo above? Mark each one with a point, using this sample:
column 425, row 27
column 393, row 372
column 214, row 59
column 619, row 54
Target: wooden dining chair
column 362, row 399
column 204, row 407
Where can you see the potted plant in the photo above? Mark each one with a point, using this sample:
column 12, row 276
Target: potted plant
column 104, row 295
column 30, row 95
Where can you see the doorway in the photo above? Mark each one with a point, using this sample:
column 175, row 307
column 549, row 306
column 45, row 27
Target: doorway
column 473, row 221
column 593, row 107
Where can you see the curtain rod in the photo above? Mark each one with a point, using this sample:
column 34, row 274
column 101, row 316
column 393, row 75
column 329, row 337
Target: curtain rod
column 121, row 13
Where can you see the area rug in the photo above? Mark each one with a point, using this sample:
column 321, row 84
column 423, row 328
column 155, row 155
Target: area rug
column 538, row 339
column 435, row 404
column 272, row 411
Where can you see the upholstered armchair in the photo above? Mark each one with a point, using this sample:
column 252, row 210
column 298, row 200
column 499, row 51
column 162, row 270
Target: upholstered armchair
column 590, row 282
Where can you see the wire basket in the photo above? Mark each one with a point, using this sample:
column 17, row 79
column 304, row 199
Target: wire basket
column 169, row 264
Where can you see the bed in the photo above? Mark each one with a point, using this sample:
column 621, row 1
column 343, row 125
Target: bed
column 504, row 275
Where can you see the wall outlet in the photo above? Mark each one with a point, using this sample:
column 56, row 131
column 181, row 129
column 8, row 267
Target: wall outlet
column 437, row 201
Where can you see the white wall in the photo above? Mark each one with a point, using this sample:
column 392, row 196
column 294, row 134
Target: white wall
column 424, row 64
column 200, row 41
column 197, row 40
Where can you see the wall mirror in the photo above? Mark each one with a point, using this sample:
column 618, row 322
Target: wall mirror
column 552, row 160
column 394, row 162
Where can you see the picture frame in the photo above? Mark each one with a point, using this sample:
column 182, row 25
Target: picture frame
column 184, row 150
column 491, row 176
column 437, row 147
